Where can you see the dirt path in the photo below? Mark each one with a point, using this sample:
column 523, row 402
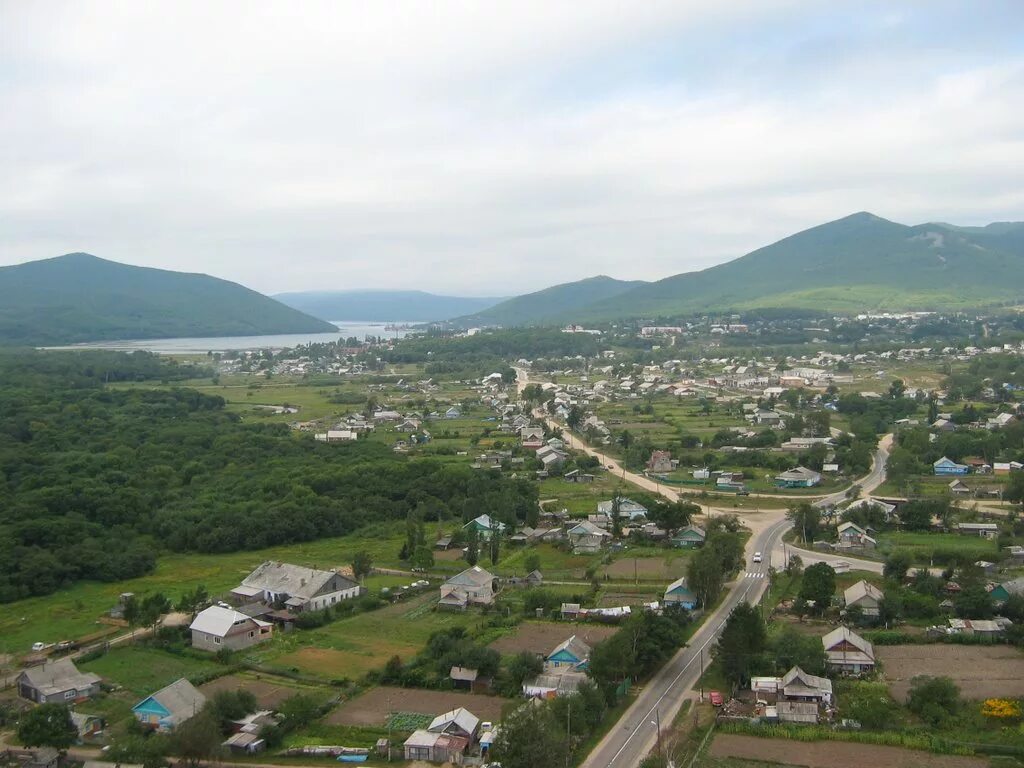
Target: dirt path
column 833, row 754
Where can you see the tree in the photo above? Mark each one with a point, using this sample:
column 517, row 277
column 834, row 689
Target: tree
column 473, row 546
column 818, row 586
column 974, row 601
column 531, row 562
column 617, row 515
column 152, row 607
column 574, row 417
column 897, row 564
column 197, row 739
column 362, row 565
column 672, row 515
column 495, row 547
column 741, row 644
column 705, row 577
column 423, row 557
column 530, row 737
column 870, row 705
column 896, row 389
column 48, row 725
column 299, row 710
column 192, row 601
column 522, row 667
column 790, row 648
column 806, row 520
column 933, row 699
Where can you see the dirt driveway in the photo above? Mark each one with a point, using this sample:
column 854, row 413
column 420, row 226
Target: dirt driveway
column 833, row 754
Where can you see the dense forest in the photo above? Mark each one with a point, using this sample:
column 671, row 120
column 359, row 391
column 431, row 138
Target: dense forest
column 97, row 480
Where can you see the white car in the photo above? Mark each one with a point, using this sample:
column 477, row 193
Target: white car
column 757, row 557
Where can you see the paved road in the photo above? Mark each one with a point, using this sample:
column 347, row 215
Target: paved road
column 632, row 738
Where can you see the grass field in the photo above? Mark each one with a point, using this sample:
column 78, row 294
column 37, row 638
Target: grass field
column 923, row 545
column 351, row 647
column 72, row 613
column 141, row 670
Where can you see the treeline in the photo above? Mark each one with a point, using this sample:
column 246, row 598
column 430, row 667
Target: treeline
column 96, row 481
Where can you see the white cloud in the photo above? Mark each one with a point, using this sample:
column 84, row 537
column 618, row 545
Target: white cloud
column 488, row 148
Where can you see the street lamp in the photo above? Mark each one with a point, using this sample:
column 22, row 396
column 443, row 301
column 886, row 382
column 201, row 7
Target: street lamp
column 657, row 724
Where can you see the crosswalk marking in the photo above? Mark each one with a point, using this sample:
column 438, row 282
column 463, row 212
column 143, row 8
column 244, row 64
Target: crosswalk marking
column 755, row 574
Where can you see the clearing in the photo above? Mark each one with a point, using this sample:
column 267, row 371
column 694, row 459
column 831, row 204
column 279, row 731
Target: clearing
column 372, row 708
column 981, row 671
column 543, row 637
column 141, row 670
column 269, row 691
column 833, row 754
column 667, row 568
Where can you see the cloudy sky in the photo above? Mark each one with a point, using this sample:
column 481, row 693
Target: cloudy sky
column 490, row 148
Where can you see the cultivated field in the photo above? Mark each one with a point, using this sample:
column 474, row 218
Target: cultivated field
column 981, row 671
column 141, row 670
column 269, row 691
column 667, row 568
column 832, row 754
column 538, row 637
column 372, row 708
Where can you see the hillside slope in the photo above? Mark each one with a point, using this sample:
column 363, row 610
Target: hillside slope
column 861, row 262
column 551, row 304
column 381, row 306
column 79, row 297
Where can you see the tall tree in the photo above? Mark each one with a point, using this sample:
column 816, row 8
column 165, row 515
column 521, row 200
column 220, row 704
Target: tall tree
column 48, row 725
column 806, row 519
column 472, row 546
column 742, row 643
column 362, row 565
column 818, row 586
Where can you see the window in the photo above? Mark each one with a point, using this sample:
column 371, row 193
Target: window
column 216, row 641
column 68, row 695
column 252, row 633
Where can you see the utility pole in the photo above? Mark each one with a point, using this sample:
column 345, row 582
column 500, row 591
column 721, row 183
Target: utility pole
column 568, row 733
column 390, row 718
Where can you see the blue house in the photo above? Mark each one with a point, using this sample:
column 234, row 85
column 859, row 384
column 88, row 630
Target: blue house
column 677, row 593
column 572, row 654
column 946, row 466
column 169, row 707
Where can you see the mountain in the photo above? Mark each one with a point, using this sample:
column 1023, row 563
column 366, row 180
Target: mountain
column 405, row 306
column 79, row 297
column 551, row 304
column 861, row 262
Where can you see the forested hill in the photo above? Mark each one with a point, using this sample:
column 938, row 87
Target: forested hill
column 858, row 263
column 79, row 297
column 98, row 480
column 383, row 306
column 551, row 304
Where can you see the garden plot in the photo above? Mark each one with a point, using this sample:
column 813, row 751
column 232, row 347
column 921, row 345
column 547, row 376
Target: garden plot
column 980, row 671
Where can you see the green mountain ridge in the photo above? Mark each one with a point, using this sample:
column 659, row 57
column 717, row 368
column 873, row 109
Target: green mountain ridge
column 550, row 305
column 381, row 306
column 79, row 297
column 857, row 263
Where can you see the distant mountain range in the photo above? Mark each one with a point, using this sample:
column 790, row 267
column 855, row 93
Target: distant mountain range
column 79, row 297
column 858, row 263
column 552, row 305
column 380, row 306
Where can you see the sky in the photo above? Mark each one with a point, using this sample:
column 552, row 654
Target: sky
column 493, row 148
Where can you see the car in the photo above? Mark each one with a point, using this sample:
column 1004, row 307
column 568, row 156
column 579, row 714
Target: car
column 715, row 698
column 38, row 646
column 757, row 557
column 742, row 493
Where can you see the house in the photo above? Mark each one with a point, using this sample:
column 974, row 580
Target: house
column 216, row 628
column 435, row 747
column 575, row 476
column 800, row 477
column 985, row 530
column 336, row 436
column 677, row 593
column 572, row 653
column 452, row 413
column 457, row 722
column 1006, row 467
column 852, row 536
column 627, row 508
column 247, row 738
column 868, row 502
column 570, row 610
column 946, row 466
column 57, row 682
column 586, row 538
column 865, row 595
column 298, row 588
column 661, row 461
column 474, row 586
column 690, row 537
column 534, row 579
column 798, row 685
column 485, row 527
column 384, row 415
column 959, row 487
column 848, row 652
column 44, row 757
column 551, row 458
column 1001, row 592
column 169, row 707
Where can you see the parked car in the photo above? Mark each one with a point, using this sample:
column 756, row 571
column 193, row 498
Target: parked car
column 715, row 698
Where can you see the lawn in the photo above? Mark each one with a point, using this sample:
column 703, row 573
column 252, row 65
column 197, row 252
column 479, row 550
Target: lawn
column 142, row 670
column 73, row 613
column 351, row 647
column 923, row 546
